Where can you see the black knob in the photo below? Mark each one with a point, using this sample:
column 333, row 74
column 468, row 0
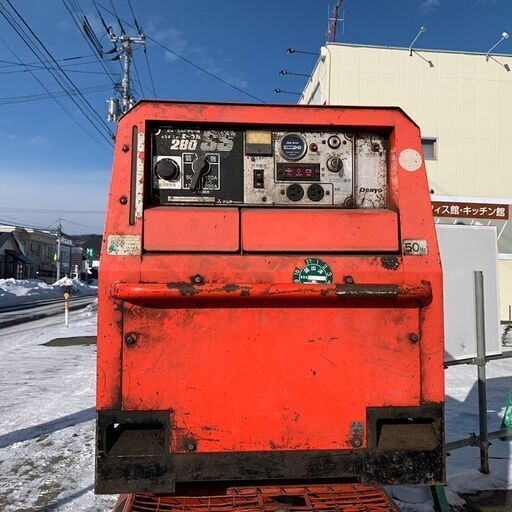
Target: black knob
column 201, row 167
column 167, row 169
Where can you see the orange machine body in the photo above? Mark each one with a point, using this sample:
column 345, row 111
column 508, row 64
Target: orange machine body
column 220, row 359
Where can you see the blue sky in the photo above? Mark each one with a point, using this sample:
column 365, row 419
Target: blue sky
column 49, row 163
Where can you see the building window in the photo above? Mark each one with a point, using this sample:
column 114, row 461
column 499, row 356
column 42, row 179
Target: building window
column 429, row 148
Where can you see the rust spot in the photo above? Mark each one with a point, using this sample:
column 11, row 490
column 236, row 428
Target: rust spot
column 230, row 288
column 245, row 293
column 185, row 289
column 390, row 262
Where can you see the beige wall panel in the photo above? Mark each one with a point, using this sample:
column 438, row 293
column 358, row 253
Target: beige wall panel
column 369, row 88
column 467, row 114
column 409, row 97
column 486, row 109
column 432, row 174
column 409, row 65
column 448, row 106
column 349, row 89
column 389, row 90
column 370, row 60
column 486, row 168
column 504, row 168
column 504, row 111
column 424, row 67
column 389, row 62
column 429, row 106
column 488, row 70
column 468, row 67
column 467, row 167
column 447, row 163
column 351, row 58
column 448, row 65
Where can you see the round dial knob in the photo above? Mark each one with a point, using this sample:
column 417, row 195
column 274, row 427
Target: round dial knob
column 168, row 169
column 335, row 164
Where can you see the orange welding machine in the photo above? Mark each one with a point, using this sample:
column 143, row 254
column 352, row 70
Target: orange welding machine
column 270, row 304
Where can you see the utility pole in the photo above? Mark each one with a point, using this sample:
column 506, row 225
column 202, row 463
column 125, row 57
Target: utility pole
column 127, row 101
column 333, row 20
column 59, row 234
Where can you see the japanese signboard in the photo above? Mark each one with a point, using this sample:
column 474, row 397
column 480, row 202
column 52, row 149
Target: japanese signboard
column 470, row 210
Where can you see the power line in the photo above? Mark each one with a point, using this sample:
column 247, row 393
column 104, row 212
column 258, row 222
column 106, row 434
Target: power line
column 38, row 97
column 61, row 78
column 78, row 223
column 11, row 64
column 61, row 105
column 39, row 68
column 80, row 20
column 50, row 210
column 188, row 61
column 139, row 28
column 149, row 72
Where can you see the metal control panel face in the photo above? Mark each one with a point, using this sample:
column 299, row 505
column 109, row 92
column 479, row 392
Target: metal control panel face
column 268, row 167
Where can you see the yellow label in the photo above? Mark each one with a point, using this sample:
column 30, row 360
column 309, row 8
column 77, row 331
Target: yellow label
column 258, row 137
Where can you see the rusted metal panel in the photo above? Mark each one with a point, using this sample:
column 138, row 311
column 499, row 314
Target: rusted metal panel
column 324, row 231
column 244, row 366
column 263, row 388
column 191, row 229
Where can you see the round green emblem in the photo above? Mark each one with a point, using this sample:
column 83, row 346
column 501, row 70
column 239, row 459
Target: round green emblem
column 315, row 272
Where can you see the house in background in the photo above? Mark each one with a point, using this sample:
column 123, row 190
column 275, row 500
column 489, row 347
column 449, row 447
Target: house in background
column 39, row 249
column 13, row 263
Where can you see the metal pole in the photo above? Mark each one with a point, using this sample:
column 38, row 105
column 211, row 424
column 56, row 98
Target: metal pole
column 126, row 74
column 66, row 312
column 481, row 362
column 58, row 251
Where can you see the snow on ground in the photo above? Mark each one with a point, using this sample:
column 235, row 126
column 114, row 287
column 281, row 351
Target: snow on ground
column 47, row 418
column 19, row 291
column 47, row 422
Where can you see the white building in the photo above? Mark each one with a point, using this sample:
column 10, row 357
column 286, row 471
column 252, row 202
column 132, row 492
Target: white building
column 463, row 105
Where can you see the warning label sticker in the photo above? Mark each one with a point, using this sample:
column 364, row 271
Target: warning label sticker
column 123, row 245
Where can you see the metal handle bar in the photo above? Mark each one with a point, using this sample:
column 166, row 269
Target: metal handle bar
column 192, row 293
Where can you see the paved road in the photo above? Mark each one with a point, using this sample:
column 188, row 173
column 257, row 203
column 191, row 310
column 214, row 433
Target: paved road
column 28, row 312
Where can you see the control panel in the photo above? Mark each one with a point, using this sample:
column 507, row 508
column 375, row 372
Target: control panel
column 268, row 167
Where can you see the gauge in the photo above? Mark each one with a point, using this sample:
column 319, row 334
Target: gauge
column 293, row 146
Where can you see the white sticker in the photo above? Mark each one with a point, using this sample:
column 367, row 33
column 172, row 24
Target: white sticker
column 410, row 159
column 415, row 247
column 139, row 183
column 123, row 245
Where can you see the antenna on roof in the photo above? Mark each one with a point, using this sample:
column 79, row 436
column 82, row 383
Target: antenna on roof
column 333, row 20
column 504, row 35
column 421, row 31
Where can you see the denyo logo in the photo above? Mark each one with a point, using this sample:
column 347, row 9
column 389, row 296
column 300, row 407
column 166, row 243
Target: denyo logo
column 370, row 190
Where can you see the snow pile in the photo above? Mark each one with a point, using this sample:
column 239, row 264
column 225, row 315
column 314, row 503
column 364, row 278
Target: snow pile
column 90, row 310
column 20, row 291
column 64, row 281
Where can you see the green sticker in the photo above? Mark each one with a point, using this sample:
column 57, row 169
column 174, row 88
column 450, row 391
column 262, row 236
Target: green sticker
column 315, row 272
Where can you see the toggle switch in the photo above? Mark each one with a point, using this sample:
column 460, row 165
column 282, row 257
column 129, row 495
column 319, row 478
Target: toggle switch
column 258, row 180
